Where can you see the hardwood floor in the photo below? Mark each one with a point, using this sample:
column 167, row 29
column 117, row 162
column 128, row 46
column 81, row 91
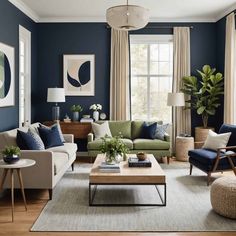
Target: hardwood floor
column 37, row 199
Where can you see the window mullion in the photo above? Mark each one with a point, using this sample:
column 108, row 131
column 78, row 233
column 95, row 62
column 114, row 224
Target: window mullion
column 148, row 84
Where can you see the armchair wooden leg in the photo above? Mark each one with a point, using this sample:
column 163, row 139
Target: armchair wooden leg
column 191, row 169
column 72, row 166
column 168, row 160
column 208, row 178
column 50, row 194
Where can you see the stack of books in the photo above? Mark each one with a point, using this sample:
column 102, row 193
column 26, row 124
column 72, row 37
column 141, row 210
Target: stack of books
column 134, row 162
column 85, row 120
column 115, row 168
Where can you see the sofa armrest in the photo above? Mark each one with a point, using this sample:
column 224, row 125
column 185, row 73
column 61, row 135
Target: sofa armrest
column 167, row 137
column 90, row 137
column 69, row 138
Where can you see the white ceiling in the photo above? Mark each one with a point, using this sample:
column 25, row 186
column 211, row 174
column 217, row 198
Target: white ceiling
column 95, row 10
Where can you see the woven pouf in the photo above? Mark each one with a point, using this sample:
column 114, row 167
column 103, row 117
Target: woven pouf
column 223, row 196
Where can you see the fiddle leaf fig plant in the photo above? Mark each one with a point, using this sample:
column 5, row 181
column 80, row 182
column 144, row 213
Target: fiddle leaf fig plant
column 204, row 92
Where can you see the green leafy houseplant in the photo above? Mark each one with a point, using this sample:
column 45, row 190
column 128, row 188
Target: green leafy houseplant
column 11, row 154
column 76, row 108
column 112, row 147
column 204, row 93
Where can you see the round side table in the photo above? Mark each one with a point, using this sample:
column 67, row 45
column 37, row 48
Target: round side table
column 22, row 163
column 183, row 145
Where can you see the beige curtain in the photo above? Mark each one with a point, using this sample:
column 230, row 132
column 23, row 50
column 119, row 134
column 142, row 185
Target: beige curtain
column 119, row 76
column 230, row 75
column 181, row 117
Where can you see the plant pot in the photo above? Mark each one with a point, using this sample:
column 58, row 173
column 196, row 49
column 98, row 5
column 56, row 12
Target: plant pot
column 11, row 159
column 201, row 133
column 111, row 160
column 75, row 116
column 96, row 115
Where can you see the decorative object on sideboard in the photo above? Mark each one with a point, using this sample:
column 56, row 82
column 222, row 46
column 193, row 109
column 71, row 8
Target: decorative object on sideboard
column 76, row 109
column 96, row 108
column 205, row 96
column 127, row 17
column 56, row 95
column 11, row 154
column 103, row 116
column 7, row 75
column 79, row 75
column 67, row 119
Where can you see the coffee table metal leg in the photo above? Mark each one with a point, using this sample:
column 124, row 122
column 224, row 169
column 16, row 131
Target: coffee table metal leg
column 92, row 193
column 163, row 199
column 22, row 187
column 12, row 194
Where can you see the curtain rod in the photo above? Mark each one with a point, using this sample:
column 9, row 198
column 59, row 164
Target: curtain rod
column 159, row 27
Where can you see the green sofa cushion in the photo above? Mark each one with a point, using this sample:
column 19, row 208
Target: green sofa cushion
column 120, row 127
column 136, row 128
column 94, row 145
column 151, row 144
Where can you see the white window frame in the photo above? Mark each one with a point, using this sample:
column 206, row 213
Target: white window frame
column 149, row 39
column 25, row 36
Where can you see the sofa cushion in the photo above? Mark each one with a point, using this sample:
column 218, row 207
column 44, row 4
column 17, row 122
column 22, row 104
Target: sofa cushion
column 101, row 130
column 136, row 128
column 55, row 126
column 161, row 131
column 29, row 141
column 148, row 130
column 120, row 128
column 229, row 128
column 94, row 145
column 150, row 144
column 205, row 159
column 50, row 137
column 60, row 159
column 68, row 148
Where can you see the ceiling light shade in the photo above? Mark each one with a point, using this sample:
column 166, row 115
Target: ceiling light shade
column 127, row 17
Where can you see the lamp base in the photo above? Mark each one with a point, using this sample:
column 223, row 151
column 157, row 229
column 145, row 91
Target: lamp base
column 55, row 113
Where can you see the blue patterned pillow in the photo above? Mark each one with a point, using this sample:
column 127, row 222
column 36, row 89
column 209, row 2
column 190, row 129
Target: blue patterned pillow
column 161, row 131
column 29, row 141
column 148, row 130
column 50, row 137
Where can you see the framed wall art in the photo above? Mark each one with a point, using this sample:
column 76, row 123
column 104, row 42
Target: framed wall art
column 7, row 75
column 79, row 75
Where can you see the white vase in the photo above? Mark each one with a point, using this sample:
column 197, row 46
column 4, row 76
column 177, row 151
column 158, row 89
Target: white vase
column 96, row 115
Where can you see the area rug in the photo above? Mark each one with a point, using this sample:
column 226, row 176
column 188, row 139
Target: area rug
column 188, row 205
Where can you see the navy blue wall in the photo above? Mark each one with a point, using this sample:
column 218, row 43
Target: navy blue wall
column 57, row 39
column 10, row 18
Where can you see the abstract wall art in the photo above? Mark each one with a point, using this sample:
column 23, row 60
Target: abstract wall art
column 7, row 75
column 79, row 77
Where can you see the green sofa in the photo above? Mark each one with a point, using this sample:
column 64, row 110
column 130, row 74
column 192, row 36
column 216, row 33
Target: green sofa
column 130, row 131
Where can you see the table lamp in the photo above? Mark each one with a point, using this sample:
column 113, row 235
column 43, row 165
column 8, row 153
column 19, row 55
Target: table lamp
column 175, row 100
column 56, row 95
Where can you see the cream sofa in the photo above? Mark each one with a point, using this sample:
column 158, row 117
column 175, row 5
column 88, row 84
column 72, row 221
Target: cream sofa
column 51, row 164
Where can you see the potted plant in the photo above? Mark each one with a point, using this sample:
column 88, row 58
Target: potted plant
column 204, row 96
column 114, row 148
column 95, row 108
column 11, row 154
column 76, row 109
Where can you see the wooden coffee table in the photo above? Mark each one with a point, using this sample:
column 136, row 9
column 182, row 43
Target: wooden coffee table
column 128, row 176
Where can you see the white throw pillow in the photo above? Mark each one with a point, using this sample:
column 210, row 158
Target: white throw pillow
column 100, row 130
column 215, row 141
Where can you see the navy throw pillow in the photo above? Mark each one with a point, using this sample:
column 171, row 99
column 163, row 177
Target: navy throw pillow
column 50, row 137
column 29, row 141
column 148, row 130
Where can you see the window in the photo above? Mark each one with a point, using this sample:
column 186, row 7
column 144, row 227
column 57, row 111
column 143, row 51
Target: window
column 24, row 76
column 151, row 76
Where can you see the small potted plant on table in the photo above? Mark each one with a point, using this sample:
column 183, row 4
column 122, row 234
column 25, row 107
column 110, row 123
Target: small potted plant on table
column 11, row 154
column 76, row 109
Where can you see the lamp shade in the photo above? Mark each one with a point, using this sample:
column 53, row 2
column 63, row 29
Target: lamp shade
column 175, row 99
column 127, row 17
column 56, row 95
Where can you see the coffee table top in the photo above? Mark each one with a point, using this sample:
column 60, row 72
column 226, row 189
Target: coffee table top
column 128, row 175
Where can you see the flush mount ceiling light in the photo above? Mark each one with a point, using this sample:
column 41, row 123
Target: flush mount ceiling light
column 127, row 17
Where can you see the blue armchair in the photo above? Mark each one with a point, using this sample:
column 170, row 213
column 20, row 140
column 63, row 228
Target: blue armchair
column 210, row 161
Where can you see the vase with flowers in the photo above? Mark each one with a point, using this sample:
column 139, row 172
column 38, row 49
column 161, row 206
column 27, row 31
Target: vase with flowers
column 96, row 108
column 114, row 148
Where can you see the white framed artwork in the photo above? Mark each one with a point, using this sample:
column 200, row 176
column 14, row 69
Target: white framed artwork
column 7, row 75
column 79, row 75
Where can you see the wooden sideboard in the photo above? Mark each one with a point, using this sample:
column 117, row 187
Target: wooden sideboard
column 78, row 129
